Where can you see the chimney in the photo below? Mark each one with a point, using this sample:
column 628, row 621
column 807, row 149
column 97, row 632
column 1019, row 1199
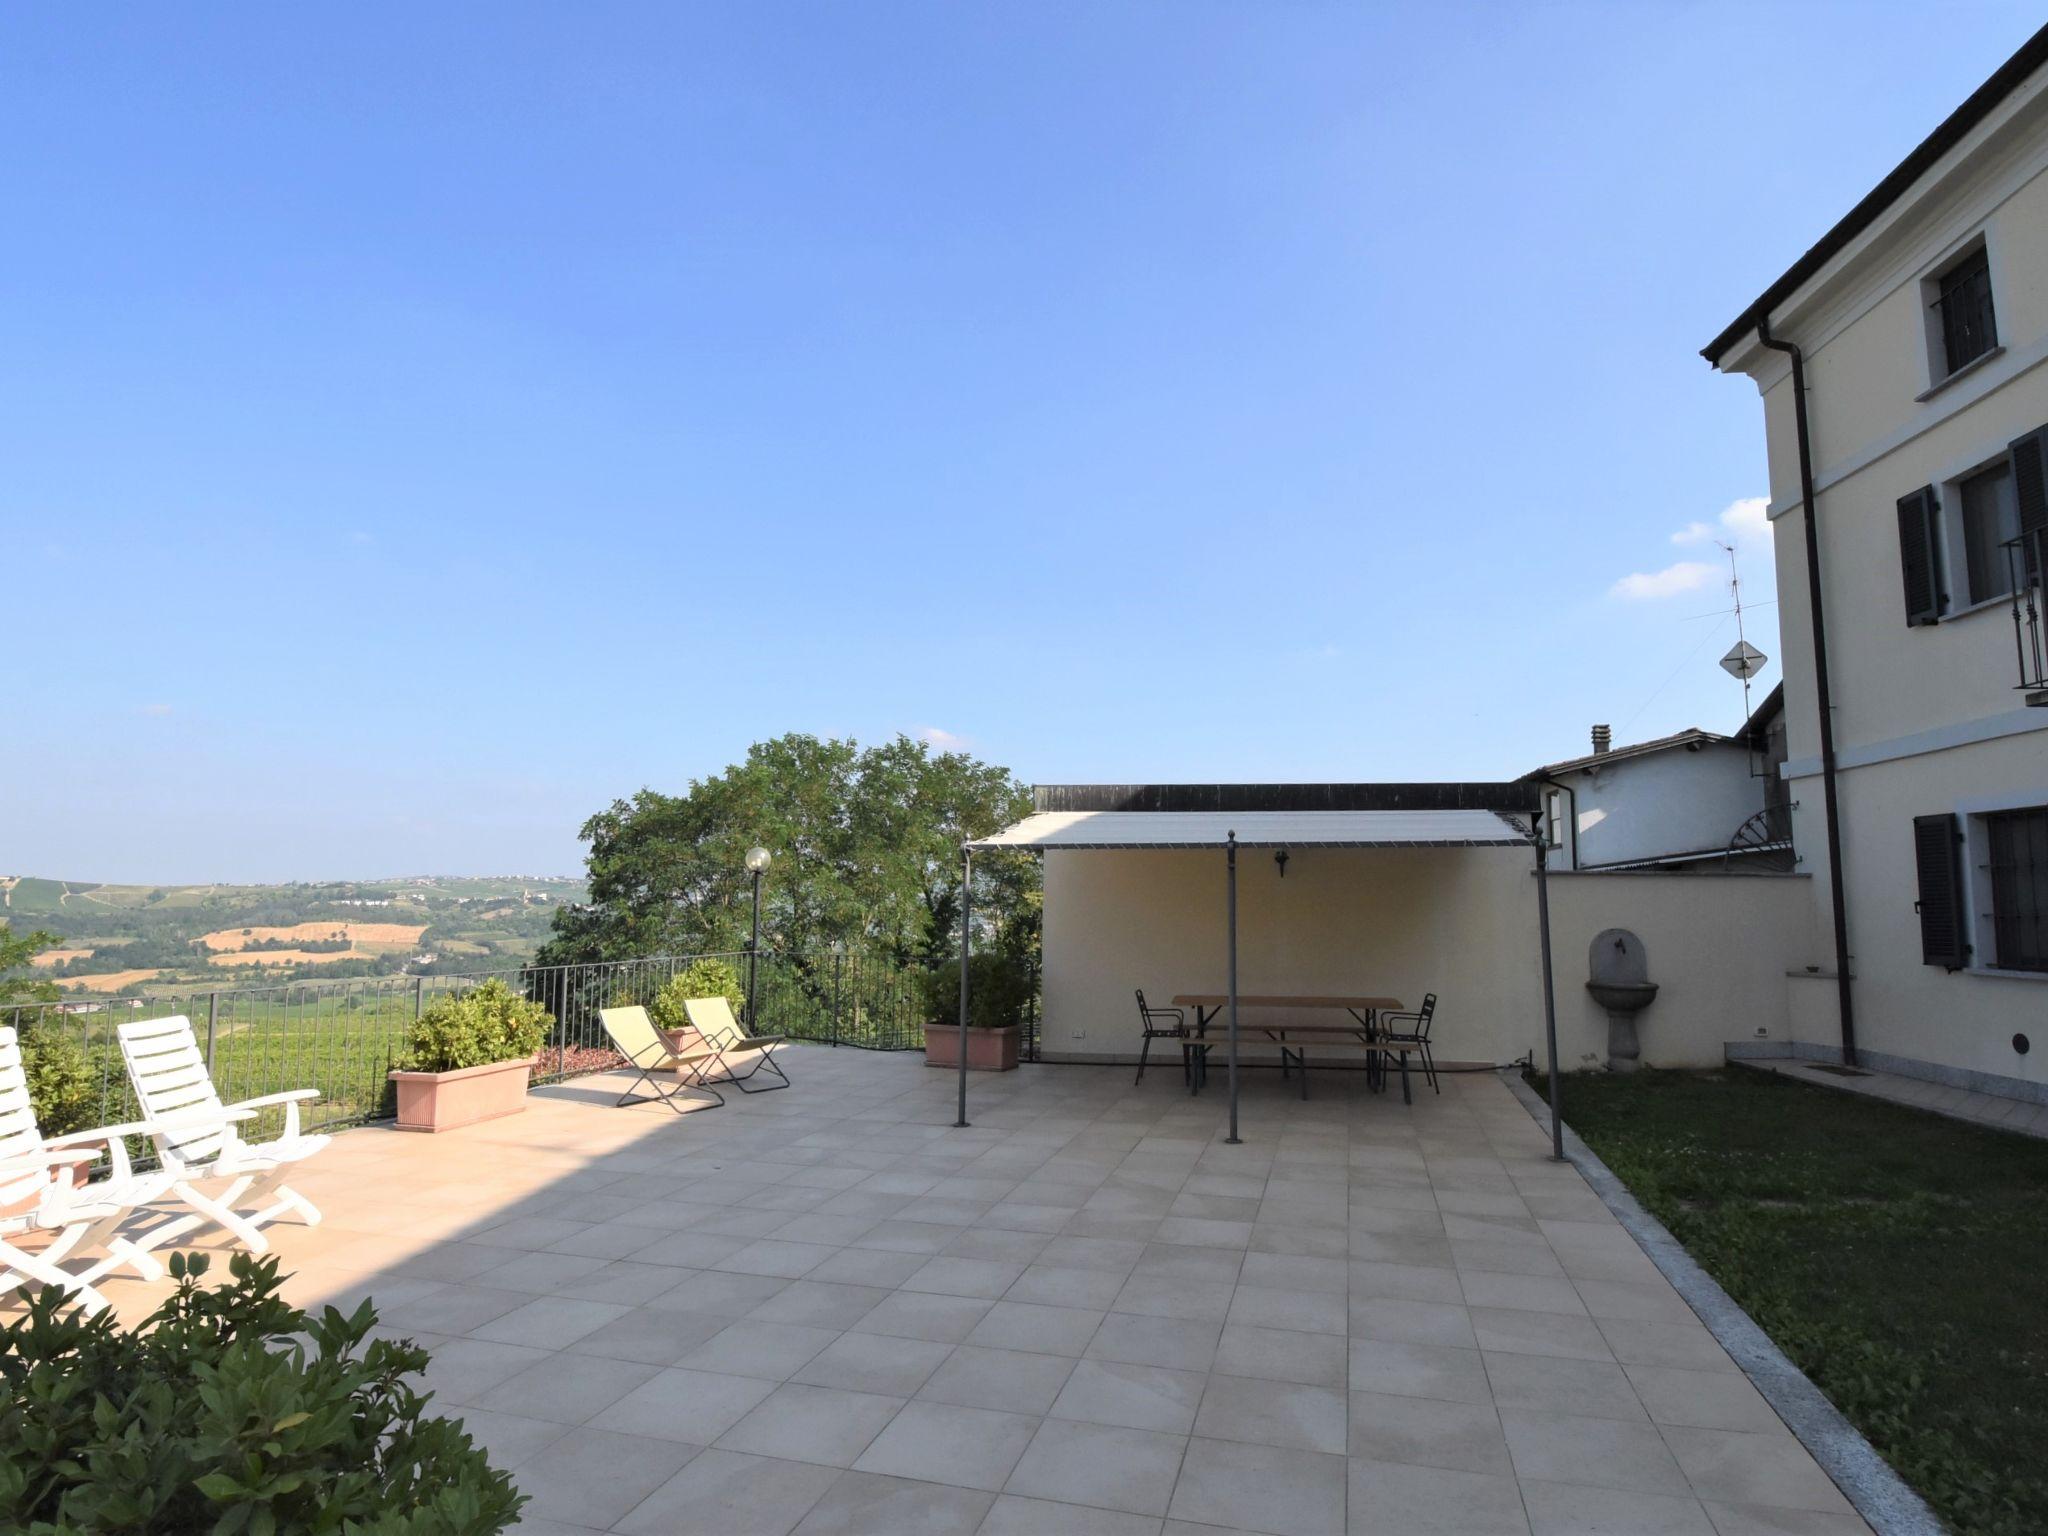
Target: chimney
column 1603, row 739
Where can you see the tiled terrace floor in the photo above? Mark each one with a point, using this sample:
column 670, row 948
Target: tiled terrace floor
column 825, row 1310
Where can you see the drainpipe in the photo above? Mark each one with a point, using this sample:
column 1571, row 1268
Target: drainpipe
column 1824, row 696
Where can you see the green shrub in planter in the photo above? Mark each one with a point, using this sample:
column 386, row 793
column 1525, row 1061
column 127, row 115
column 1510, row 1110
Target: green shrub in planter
column 999, row 991
column 702, row 978
column 228, row 1411
column 488, row 1023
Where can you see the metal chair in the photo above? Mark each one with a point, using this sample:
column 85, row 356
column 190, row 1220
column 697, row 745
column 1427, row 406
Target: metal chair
column 1160, row 1024
column 1418, row 1036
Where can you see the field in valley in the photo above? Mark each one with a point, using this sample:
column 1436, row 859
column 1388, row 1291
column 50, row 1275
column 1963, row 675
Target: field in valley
column 142, row 940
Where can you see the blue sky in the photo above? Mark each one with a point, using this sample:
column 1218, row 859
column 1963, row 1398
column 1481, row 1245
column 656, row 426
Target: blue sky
column 421, row 424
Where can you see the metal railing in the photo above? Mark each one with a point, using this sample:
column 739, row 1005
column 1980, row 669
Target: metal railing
column 342, row 1037
column 2026, row 566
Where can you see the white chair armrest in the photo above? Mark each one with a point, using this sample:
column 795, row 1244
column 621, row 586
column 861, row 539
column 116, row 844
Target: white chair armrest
column 47, row 1158
column 291, row 1098
column 164, row 1125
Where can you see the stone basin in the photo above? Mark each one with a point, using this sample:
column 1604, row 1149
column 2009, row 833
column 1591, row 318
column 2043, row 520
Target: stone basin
column 1622, row 996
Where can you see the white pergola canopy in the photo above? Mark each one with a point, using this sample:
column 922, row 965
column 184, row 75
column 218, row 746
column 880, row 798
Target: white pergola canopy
column 1048, row 830
column 1228, row 831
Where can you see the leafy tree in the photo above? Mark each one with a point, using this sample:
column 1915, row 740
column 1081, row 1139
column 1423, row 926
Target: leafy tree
column 866, row 854
column 17, row 983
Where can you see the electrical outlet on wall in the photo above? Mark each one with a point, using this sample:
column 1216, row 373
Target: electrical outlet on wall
column 1080, row 1034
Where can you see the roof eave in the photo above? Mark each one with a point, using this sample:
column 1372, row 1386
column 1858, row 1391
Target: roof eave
column 1953, row 129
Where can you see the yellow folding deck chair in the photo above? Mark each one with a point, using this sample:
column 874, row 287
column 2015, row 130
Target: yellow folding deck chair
column 712, row 1018
column 635, row 1038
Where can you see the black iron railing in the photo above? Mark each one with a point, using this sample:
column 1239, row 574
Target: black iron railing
column 342, row 1037
column 2026, row 558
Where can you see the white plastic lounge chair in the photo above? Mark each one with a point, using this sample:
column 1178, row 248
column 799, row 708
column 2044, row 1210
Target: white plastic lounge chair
column 40, row 1193
column 196, row 1139
column 635, row 1038
column 712, row 1018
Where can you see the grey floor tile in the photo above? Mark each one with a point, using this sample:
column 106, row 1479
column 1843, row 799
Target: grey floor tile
column 1731, row 1467
column 1047, row 1330
column 874, row 1362
column 1261, row 1488
column 1566, row 1509
column 1419, row 1370
column 821, row 1424
column 1540, row 1333
column 1280, row 1354
column 568, row 1388
column 692, row 1406
column 1131, row 1396
column 945, row 1443
column 1015, row 1381
column 867, row 1504
column 1602, row 1453
column 549, row 1322
column 1457, row 1437
column 1703, row 1399
column 1012, row 1515
column 1281, row 1413
column 774, row 1351
column 1167, row 1341
column 1396, row 1499
column 1593, row 1388
column 1053, row 1286
column 1124, row 1469
column 597, row 1475
column 722, row 1493
column 820, row 1304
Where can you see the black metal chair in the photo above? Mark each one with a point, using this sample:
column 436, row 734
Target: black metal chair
column 1417, row 1036
column 1160, row 1024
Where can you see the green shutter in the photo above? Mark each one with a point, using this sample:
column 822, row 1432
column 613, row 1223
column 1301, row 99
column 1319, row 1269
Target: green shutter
column 1917, row 556
column 1938, row 856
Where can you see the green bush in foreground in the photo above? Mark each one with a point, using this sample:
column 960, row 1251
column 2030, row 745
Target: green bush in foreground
column 228, row 1411
column 488, row 1023
column 701, row 978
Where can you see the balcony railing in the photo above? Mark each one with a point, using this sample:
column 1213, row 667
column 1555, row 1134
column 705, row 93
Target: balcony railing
column 342, row 1037
column 2026, row 559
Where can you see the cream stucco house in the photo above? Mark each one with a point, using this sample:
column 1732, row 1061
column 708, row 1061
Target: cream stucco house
column 1910, row 502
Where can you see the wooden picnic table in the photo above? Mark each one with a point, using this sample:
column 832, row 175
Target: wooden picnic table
column 1364, row 1013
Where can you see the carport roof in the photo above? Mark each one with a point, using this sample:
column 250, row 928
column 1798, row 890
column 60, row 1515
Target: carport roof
column 1259, row 829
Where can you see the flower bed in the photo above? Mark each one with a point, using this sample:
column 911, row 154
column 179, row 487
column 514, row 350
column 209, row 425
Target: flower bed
column 576, row 1060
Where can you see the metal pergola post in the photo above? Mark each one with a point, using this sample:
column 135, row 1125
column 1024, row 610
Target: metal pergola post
column 1230, row 880
column 1549, row 992
column 966, row 949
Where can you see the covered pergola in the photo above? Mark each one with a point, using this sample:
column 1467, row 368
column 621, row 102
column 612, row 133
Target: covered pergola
column 1226, row 831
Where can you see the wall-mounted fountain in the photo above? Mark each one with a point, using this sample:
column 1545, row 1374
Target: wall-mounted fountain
column 1619, row 979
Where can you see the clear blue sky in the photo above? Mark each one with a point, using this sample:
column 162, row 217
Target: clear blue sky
column 421, row 424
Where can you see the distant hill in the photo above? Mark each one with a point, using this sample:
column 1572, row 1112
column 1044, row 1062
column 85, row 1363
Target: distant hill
column 129, row 939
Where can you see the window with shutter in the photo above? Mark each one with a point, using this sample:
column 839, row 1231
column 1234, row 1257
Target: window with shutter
column 1937, row 854
column 2017, row 845
column 1919, row 559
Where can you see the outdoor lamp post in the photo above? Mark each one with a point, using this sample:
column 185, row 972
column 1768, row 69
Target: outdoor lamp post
column 758, row 860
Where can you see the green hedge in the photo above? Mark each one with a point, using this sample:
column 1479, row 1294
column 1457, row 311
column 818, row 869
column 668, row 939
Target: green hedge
column 229, row 1412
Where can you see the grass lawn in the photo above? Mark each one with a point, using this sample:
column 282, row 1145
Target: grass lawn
column 1899, row 1258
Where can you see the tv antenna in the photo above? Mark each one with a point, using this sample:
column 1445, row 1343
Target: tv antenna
column 1744, row 661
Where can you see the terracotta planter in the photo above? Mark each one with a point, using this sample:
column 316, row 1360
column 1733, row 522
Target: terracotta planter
column 988, row 1050
column 445, row 1101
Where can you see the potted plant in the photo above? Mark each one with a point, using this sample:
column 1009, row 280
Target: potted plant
column 997, row 995
column 467, row 1058
column 701, row 978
